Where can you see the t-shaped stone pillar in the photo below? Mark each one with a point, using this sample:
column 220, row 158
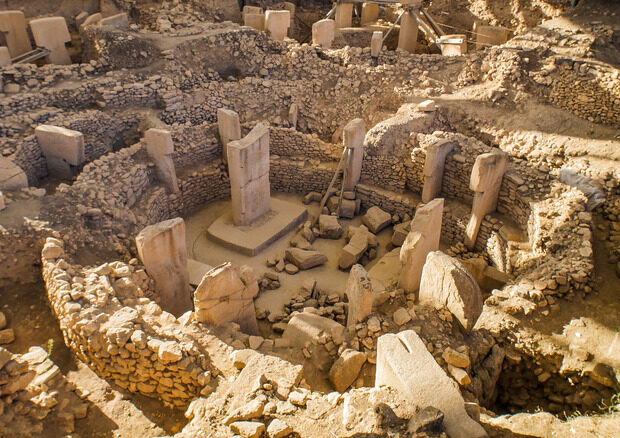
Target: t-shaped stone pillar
column 277, row 24
column 486, row 180
column 62, row 148
column 13, row 25
column 359, row 291
column 161, row 247
column 422, row 239
column 159, row 147
column 323, row 33
column 229, row 128
column 248, row 168
column 434, row 163
column 344, row 15
column 376, row 43
column 370, row 13
column 52, row 33
column 408, row 36
column 353, row 138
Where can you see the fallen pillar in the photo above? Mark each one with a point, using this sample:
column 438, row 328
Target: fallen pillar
column 229, row 129
column 434, row 163
column 422, row 239
column 248, row 168
column 486, row 180
column 13, row 26
column 52, row 33
column 161, row 247
column 359, row 291
column 446, row 282
column 404, row 364
column 277, row 24
column 227, row 294
column 159, row 147
column 323, row 33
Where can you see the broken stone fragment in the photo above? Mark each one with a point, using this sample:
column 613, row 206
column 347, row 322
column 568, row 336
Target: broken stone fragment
column 249, row 411
column 329, row 227
column 345, row 370
column 456, row 358
column 278, row 429
column 446, row 282
column 401, row 316
column 305, row 259
column 376, row 219
column 248, row 429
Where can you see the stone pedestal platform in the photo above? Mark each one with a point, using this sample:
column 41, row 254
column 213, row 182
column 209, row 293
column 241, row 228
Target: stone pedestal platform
column 253, row 238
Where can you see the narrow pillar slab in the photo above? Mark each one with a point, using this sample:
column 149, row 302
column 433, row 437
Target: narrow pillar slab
column 13, row 25
column 376, row 44
column 229, row 128
column 422, row 239
column 5, row 56
column 12, row 177
column 370, row 13
column 52, row 33
column 159, row 147
column 161, row 247
column 408, row 35
column 277, row 24
column 344, row 15
column 323, row 33
column 255, row 21
column 486, row 181
column 450, row 45
column 405, row 364
column 359, row 291
column 293, row 113
column 291, row 8
column 248, row 168
column 227, row 294
column 353, row 138
column 434, row 164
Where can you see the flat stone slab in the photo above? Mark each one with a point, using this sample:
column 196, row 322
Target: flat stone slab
column 252, row 239
column 197, row 271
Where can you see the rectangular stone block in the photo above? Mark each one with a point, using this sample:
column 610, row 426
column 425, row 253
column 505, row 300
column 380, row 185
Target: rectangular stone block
column 370, row 13
column 228, row 127
column 277, row 24
column 5, row 56
column 62, row 143
column 13, row 25
column 344, row 15
column 158, row 142
column 323, row 33
column 450, row 45
column 408, row 35
column 255, row 21
column 376, row 43
column 489, row 36
column 52, row 33
column 353, row 138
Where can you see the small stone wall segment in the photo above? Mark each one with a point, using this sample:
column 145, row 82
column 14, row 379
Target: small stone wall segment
column 121, row 335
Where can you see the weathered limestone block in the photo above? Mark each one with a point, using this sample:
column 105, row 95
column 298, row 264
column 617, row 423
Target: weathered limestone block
column 323, row 33
column 255, row 21
column 434, row 163
column 489, row 36
column 251, row 10
column 304, row 259
column 359, row 291
column 486, row 181
column 344, row 15
column 370, row 13
column 52, row 33
column 353, row 138
column 5, row 56
column 229, row 129
column 422, row 239
column 346, row 368
column 62, row 148
column 450, row 45
column 376, row 43
column 12, row 177
column 376, row 219
column 159, row 147
column 360, row 239
column 404, row 363
column 13, row 25
column 308, row 327
column 248, row 168
column 161, row 247
column 227, row 294
column 446, row 282
column 329, row 227
column 277, row 24
column 408, row 36
column 120, row 21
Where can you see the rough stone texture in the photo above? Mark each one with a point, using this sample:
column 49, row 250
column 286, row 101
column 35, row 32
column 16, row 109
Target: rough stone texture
column 359, row 291
column 305, row 259
column 376, row 219
column 404, row 363
column 161, row 248
column 227, row 294
column 446, row 282
column 308, row 327
column 346, row 369
column 422, row 239
column 329, row 227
